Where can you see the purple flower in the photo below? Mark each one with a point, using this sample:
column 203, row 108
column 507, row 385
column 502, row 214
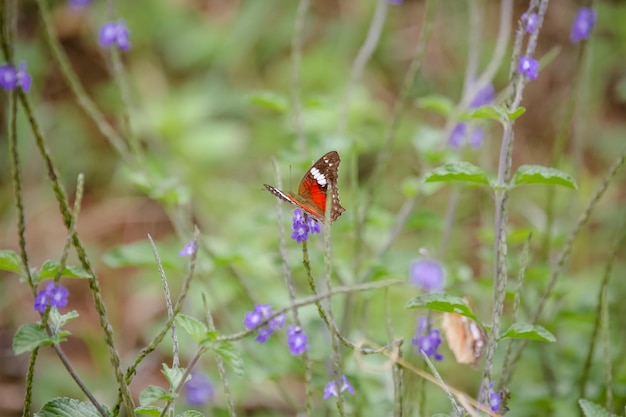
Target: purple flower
column 584, row 21
column 188, row 250
column 297, row 340
column 299, row 226
column 198, row 390
column 115, row 33
column 331, row 388
column 23, row 78
column 53, row 295
column 427, row 274
column 531, row 22
column 260, row 313
column 314, row 226
column 427, row 339
column 484, row 97
column 528, row 67
column 495, row 399
column 457, row 136
column 78, row 4
column 10, row 78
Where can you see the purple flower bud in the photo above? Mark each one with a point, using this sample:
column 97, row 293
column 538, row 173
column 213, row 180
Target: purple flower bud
column 531, row 22
column 331, row 388
column 115, row 33
column 297, row 340
column 8, row 77
column 188, row 250
column 584, row 21
column 495, row 399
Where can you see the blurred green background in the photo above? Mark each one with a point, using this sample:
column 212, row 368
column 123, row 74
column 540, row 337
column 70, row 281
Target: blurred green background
column 212, row 105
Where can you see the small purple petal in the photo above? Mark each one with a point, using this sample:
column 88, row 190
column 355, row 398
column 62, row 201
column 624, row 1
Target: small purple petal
column 198, row 390
column 457, row 136
column 297, row 340
column 584, row 21
column 528, row 67
column 484, row 97
column 427, row 274
column 8, row 77
column 188, row 249
column 531, row 22
column 495, row 399
column 331, row 388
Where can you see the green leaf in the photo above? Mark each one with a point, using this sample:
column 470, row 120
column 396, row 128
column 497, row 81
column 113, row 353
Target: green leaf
column 10, row 261
column 57, row 320
column 514, row 115
column 457, row 171
column 269, row 100
column 537, row 174
column 149, row 411
column 229, row 354
column 152, row 394
column 594, row 410
column 49, row 270
column 68, row 407
column 191, row 413
column 28, row 337
column 174, row 375
column 528, row 331
column 440, row 104
column 194, row 327
column 439, row 301
column 488, row 112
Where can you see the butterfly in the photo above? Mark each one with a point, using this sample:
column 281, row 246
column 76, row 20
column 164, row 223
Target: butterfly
column 466, row 338
column 313, row 189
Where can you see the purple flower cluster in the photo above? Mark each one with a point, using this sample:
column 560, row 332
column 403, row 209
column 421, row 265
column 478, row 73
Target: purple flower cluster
column 427, row 339
column 260, row 313
column 198, row 390
column 426, row 274
column 11, row 78
column 302, row 226
column 115, row 34
column 484, row 97
column 331, row 388
column 53, row 295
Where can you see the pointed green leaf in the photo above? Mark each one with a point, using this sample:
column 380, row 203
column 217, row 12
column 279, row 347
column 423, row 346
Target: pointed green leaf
column 537, row 174
column 195, row 328
column 49, row 270
column 68, row 407
column 528, row 331
column 174, row 375
column 513, row 115
column 488, row 112
column 56, row 320
column 269, row 100
column 457, row 171
column 191, row 413
column 149, row 411
column 591, row 409
column 10, row 261
column 439, row 301
column 229, row 354
column 440, row 104
column 28, row 337
column 152, row 394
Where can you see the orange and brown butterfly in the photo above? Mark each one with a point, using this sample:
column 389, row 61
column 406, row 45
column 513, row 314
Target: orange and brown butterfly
column 313, row 189
column 466, row 339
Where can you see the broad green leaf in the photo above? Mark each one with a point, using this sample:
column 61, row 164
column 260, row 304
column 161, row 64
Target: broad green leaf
column 28, row 337
column 68, row 407
column 439, row 301
column 488, row 112
column 537, row 174
column 174, row 375
column 49, row 270
column 191, row 413
column 457, row 171
column 591, row 409
column 10, row 261
column 229, row 354
column 152, row 394
column 149, row 411
column 195, row 328
column 514, row 115
column 440, row 104
column 269, row 100
column 528, row 331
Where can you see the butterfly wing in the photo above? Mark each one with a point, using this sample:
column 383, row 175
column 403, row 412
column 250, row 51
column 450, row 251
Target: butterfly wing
column 314, row 187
